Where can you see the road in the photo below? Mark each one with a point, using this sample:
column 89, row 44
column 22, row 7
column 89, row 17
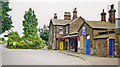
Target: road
column 38, row 57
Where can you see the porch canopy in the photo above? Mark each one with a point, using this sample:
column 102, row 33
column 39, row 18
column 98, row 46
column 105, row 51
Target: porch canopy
column 68, row 36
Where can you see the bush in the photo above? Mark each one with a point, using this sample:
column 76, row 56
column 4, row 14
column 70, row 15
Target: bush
column 42, row 42
column 3, row 42
column 9, row 42
column 14, row 47
column 1, row 39
column 10, row 47
column 18, row 45
column 49, row 47
column 14, row 36
column 24, row 43
column 36, row 43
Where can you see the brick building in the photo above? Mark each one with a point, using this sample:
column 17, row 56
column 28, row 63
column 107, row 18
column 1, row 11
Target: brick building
column 96, row 36
column 82, row 36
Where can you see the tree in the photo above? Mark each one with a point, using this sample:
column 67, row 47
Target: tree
column 5, row 18
column 30, row 24
column 44, row 32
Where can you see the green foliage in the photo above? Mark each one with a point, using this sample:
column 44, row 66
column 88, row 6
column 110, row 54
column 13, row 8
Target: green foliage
column 24, row 43
column 49, row 47
column 36, row 43
column 30, row 24
column 1, row 39
column 14, row 36
column 3, row 42
column 18, row 44
column 4, row 16
column 44, row 33
column 10, row 42
column 42, row 42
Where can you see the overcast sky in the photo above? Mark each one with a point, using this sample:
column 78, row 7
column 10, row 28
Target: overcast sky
column 45, row 9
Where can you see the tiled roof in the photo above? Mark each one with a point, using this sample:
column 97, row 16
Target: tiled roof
column 101, row 25
column 60, row 21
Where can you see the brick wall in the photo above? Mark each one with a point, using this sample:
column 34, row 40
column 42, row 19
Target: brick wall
column 51, row 35
column 75, row 25
column 88, row 32
column 100, row 47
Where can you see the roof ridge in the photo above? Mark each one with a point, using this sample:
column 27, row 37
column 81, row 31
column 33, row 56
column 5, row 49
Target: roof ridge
column 76, row 19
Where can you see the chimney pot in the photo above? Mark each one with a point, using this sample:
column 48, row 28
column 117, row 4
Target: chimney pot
column 74, row 13
column 103, row 16
column 112, row 11
column 67, row 16
column 112, row 6
column 55, row 15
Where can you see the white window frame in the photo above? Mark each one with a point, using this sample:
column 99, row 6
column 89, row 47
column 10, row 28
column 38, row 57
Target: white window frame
column 66, row 29
column 61, row 32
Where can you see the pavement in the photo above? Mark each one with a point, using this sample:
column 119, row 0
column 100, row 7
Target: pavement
column 92, row 60
column 38, row 57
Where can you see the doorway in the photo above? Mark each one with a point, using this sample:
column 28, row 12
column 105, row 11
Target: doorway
column 88, row 45
column 61, row 45
column 110, row 47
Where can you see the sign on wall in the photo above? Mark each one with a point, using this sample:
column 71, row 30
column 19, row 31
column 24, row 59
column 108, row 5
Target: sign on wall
column 78, row 44
column 83, row 31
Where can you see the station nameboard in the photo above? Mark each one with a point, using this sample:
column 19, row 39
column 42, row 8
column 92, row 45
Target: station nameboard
column 83, row 31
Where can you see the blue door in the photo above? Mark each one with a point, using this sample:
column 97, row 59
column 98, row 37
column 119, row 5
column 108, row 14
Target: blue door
column 67, row 45
column 87, row 46
column 110, row 47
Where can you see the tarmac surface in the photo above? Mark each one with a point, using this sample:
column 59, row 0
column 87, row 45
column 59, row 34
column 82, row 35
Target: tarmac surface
column 94, row 60
column 50, row 57
column 38, row 57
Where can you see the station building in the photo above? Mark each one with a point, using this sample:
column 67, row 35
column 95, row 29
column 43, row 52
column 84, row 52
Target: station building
column 84, row 36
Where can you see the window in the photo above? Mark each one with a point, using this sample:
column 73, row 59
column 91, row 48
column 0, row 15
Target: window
column 66, row 29
column 83, row 31
column 61, row 31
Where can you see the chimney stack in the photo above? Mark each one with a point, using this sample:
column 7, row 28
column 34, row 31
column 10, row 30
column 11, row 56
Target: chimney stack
column 55, row 15
column 75, row 13
column 67, row 16
column 112, row 14
column 103, row 16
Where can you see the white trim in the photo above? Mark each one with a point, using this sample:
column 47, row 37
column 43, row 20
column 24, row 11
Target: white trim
column 61, row 31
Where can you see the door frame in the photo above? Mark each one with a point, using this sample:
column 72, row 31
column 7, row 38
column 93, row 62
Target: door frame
column 88, row 44
column 61, row 45
column 110, row 47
